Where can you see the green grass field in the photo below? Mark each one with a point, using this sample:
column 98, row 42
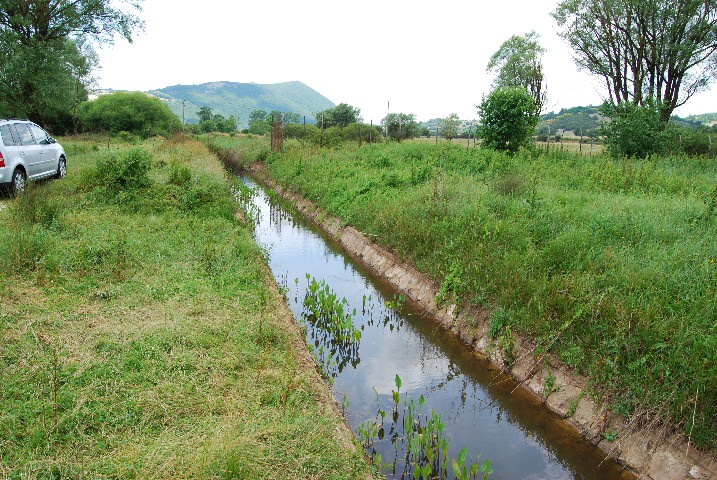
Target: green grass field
column 141, row 335
column 612, row 265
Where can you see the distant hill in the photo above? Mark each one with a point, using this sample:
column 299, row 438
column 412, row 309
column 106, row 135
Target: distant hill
column 709, row 119
column 573, row 120
column 240, row 99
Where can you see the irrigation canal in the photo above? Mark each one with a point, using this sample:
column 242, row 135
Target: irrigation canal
column 481, row 408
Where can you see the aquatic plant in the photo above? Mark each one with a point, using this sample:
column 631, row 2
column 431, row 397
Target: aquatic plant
column 334, row 336
column 420, row 444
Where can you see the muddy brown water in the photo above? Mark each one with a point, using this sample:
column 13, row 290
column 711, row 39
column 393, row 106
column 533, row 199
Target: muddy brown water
column 481, row 408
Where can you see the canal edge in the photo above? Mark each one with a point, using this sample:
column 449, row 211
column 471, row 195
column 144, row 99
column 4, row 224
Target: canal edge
column 649, row 453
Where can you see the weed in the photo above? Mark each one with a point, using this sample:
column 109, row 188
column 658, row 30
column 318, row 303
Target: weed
column 499, row 320
column 420, row 445
column 549, row 386
column 179, row 175
column 575, row 403
column 336, row 340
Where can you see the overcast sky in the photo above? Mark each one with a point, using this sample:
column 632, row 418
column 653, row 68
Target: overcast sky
column 426, row 58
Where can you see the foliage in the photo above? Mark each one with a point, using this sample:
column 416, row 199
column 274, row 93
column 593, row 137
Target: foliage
column 101, row 20
column 209, row 122
column 335, row 338
column 449, row 126
column 567, row 253
column 509, row 116
column 117, row 172
column 634, row 131
column 644, row 49
column 260, row 122
column 334, row 136
column 46, row 60
column 135, row 112
column 342, row 115
column 401, row 126
column 518, row 63
column 693, row 141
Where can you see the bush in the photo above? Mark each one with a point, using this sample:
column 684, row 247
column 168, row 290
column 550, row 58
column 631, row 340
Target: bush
column 127, row 170
column 135, row 113
column 692, row 141
column 509, row 117
column 634, row 130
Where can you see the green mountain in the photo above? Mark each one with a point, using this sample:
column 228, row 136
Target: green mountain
column 709, row 119
column 240, row 99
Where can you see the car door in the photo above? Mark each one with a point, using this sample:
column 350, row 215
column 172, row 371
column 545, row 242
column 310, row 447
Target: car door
column 29, row 150
column 48, row 159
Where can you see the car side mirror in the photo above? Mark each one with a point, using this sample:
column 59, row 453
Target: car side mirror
column 52, row 140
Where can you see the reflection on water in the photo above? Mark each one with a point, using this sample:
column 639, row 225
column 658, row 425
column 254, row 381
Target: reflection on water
column 479, row 407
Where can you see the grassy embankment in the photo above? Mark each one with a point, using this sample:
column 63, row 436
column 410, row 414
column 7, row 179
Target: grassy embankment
column 141, row 337
column 612, row 265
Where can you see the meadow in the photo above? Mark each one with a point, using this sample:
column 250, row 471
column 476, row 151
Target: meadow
column 609, row 264
column 142, row 335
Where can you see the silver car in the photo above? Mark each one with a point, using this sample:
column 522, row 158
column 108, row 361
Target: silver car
column 27, row 152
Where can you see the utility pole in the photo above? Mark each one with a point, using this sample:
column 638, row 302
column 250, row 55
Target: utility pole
column 388, row 112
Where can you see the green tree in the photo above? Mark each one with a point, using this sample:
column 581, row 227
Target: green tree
column 400, row 125
column 204, row 114
column 509, row 116
column 518, row 63
column 36, row 82
column 449, row 126
column 341, row 115
column 644, row 50
column 258, row 124
column 135, row 112
column 31, row 21
column 634, row 130
column 45, row 59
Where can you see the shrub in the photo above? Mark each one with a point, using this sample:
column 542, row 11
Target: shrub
column 179, row 174
column 123, row 171
column 634, row 131
column 135, row 113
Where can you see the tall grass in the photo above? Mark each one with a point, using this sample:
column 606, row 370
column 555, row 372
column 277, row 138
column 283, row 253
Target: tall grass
column 129, row 321
column 611, row 263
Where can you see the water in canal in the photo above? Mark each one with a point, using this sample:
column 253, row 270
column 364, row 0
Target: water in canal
column 481, row 408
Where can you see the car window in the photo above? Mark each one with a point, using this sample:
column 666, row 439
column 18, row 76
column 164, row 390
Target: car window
column 9, row 137
column 23, row 131
column 40, row 135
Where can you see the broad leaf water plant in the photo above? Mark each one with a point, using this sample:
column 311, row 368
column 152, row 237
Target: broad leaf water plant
column 334, row 336
column 419, row 441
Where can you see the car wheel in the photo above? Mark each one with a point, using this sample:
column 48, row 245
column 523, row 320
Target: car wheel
column 61, row 168
column 19, row 182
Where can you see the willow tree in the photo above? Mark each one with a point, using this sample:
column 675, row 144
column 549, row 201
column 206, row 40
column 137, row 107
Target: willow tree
column 518, row 63
column 644, row 50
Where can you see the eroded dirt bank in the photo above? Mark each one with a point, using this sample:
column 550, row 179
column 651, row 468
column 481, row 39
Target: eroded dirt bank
column 647, row 450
